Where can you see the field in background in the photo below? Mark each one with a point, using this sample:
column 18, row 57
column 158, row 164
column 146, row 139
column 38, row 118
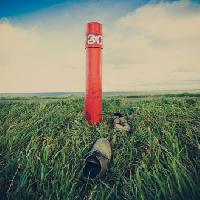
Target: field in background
column 43, row 144
column 54, row 95
column 131, row 96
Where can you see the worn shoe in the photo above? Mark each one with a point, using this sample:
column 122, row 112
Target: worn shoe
column 96, row 163
column 120, row 123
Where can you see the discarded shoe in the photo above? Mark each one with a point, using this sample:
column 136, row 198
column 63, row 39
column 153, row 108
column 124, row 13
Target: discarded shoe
column 120, row 123
column 97, row 159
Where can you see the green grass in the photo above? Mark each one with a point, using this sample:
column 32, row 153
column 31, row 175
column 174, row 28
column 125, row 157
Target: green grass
column 42, row 149
column 165, row 95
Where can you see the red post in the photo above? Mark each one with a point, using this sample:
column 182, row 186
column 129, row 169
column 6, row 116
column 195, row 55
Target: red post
column 93, row 96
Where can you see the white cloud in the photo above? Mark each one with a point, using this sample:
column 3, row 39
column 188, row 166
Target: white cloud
column 155, row 47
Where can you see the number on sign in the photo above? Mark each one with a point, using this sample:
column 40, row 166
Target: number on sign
column 94, row 39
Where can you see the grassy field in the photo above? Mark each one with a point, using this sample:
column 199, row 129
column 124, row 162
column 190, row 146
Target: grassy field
column 43, row 144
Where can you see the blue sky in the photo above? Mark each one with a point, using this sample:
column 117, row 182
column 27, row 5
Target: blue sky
column 9, row 8
column 13, row 8
column 148, row 45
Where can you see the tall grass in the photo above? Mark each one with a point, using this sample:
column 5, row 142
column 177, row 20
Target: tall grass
column 42, row 149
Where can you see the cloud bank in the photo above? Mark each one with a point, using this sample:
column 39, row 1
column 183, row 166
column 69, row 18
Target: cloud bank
column 153, row 47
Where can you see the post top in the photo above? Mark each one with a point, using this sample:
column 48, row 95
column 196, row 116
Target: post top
column 94, row 27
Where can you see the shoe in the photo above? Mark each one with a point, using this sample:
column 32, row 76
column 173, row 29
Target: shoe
column 96, row 163
column 120, row 123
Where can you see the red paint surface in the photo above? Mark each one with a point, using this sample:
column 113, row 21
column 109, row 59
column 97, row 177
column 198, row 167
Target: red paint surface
column 93, row 96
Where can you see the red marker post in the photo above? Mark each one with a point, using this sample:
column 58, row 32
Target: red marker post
column 93, row 96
